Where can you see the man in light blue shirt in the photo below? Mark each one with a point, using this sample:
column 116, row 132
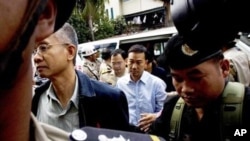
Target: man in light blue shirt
column 145, row 93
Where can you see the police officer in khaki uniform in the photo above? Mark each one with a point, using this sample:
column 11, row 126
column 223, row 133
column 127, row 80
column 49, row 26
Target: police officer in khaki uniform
column 90, row 63
column 106, row 73
column 109, row 78
column 239, row 63
column 105, row 66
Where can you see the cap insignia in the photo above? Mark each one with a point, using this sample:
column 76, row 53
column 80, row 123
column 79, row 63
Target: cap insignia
column 188, row 51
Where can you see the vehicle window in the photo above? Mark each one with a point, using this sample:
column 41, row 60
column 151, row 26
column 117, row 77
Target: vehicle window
column 153, row 40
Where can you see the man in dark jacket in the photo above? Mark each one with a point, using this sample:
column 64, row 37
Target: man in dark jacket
column 209, row 107
column 70, row 99
column 153, row 68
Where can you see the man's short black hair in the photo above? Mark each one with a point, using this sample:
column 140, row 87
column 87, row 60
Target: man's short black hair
column 106, row 53
column 138, row 48
column 119, row 51
column 149, row 57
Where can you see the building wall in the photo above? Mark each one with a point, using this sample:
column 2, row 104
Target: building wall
column 125, row 7
column 134, row 6
column 116, row 6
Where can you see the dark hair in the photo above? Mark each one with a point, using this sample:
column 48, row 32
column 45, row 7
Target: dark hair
column 121, row 52
column 149, row 57
column 218, row 57
column 67, row 33
column 137, row 48
column 106, row 54
column 230, row 44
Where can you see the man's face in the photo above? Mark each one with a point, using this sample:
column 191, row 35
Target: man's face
column 200, row 84
column 93, row 57
column 136, row 65
column 97, row 54
column 54, row 59
column 118, row 64
column 12, row 12
column 12, row 27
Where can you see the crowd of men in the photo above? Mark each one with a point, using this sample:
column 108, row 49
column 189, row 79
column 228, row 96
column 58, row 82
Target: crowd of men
column 211, row 100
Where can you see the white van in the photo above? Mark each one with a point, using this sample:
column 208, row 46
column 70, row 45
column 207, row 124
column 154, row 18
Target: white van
column 154, row 40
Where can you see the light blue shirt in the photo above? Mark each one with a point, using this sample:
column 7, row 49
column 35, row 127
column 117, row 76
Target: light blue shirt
column 51, row 112
column 147, row 95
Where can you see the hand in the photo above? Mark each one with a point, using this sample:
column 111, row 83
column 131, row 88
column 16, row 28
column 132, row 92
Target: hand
column 172, row 93
column 146, row 120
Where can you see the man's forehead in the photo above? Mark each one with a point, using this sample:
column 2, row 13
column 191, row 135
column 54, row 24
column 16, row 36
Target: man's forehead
column 198, row 69
column 136, row 58
column 116, row 56
column 185, row 73
column 136, row 55
column 51, row 39
column 117, row 60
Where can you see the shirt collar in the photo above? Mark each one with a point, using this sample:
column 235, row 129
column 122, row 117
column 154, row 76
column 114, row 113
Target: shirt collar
column 74, row 99
column 50, row 92
column 143, row 77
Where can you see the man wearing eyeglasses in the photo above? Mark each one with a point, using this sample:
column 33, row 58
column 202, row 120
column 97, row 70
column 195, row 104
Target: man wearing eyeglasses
column 118, row 65
column 70, row 99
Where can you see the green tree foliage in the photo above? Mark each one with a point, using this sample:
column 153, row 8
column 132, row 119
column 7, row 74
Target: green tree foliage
column 102, row 27
column 92, row 12
column 80, row 26
column 119, row 25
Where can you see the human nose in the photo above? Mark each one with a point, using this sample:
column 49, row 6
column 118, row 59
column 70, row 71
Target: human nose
column 134, row 65
column 116, row 65
column 186, row 88
column 37, row 57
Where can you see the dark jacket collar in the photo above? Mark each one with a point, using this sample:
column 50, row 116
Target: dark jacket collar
column 85, row 86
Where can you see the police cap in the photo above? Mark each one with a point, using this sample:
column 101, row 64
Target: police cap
column 64, row 10
column 180, row 55
column 192, row 19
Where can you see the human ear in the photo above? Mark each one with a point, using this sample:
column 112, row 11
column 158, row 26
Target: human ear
column 225, row 66
column 126, row 62
column 46, row 22
column 71, row 52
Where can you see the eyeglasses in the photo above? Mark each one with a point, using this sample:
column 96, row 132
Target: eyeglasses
column 116, row 63
column 42, row 48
